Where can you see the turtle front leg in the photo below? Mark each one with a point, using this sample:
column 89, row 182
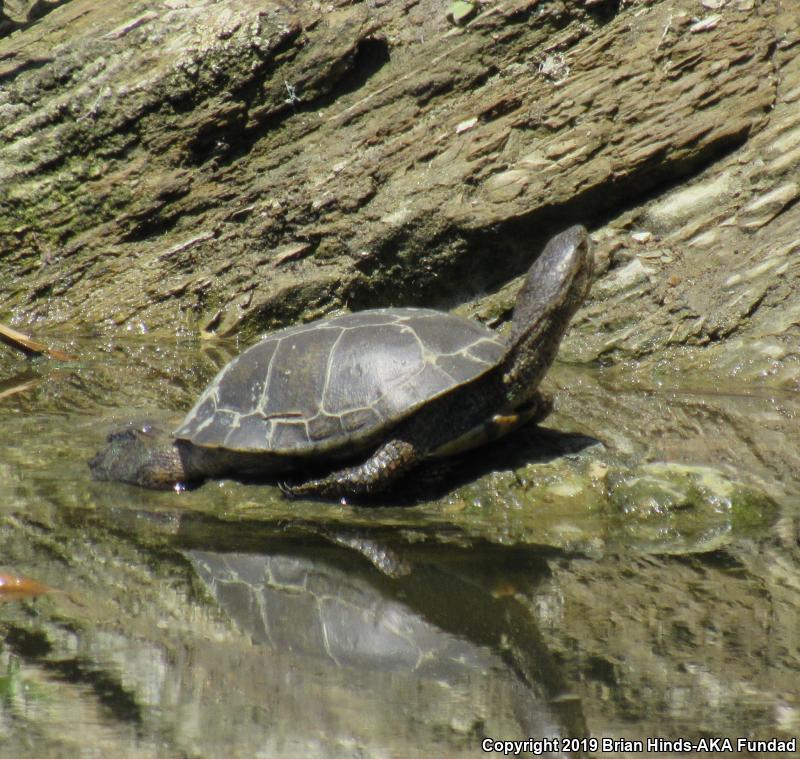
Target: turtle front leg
column 390, row 461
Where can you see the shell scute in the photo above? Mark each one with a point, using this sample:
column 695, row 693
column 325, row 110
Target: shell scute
column 362, row 374
column 444, row 336
column 288, row 436
column 458, row 367
column 248, row 434
column 324, row 426
column 299, row 369
column 245, row 378
column 363, row 418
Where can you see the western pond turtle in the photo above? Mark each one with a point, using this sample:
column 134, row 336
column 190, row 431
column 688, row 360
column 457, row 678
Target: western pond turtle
column 369, row 394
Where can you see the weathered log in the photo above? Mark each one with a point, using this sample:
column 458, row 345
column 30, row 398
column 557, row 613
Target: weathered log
column 232, row 167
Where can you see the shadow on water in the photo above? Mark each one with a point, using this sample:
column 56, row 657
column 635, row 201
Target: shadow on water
column 529, row 445
column 434, row 479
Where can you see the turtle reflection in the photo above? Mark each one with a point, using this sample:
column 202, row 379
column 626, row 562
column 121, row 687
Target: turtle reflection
column 388, row 663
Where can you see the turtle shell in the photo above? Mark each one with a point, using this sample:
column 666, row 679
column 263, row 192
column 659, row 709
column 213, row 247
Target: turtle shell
column 325, row 387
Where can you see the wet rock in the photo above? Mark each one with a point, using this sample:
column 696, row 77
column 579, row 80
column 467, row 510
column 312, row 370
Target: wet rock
column 676, row 508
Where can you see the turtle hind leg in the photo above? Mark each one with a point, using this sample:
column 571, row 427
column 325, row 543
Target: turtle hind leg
column 392, row 460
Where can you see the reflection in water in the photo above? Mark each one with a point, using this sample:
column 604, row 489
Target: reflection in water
column 365, row 658
column 305, row 652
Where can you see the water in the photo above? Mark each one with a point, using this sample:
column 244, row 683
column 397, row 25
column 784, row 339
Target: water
column 525, row 596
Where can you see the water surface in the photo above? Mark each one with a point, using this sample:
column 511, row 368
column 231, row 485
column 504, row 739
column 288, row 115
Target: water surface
column 538, row 589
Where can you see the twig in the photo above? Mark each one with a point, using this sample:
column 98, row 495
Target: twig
column 30, row 346
column 8, row 389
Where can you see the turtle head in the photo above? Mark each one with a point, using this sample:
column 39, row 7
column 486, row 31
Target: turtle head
column 555, row 286
column 557, row 282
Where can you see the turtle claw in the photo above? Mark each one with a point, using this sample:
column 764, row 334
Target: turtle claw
column 308, row 489
column 304, row 489
column 289, row 490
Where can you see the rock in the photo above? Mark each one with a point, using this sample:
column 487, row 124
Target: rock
column 706, row 24
column 19, row 13
column 7, row 24
column 460, row 12
column 762, row 209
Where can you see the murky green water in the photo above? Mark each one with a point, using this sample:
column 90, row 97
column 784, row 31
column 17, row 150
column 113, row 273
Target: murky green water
column 633, row 572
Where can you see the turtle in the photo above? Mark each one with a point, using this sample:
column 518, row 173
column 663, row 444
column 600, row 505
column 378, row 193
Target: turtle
column 366, row 395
